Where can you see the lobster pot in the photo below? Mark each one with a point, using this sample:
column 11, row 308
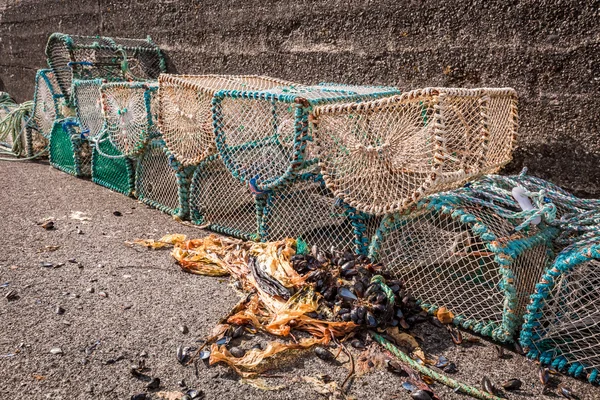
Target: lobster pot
column 92, row 57
column 68, row 150
column 161, row 181
column 111, row 169
column 221, row 203
column 306, row 209
column 263, row 136
column 463, row 254
column 185, row 110
column 130, row 115
column 382, row 156
column 562, row 326
column 47, row 104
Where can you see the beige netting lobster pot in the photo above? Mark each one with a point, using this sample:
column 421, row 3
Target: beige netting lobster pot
column 383, row 155
column 462, row 251
column 185, row 110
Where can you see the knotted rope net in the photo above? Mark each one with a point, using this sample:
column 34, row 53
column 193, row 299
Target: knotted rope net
column 130, row 115
column 185, row 116
column 384, row 155
column 91, row 57
column 562, row 326
column 264, row 136
column 47, row 108
column 472, row 251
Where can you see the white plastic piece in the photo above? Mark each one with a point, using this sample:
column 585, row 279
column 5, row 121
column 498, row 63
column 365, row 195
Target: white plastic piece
column 524, row 202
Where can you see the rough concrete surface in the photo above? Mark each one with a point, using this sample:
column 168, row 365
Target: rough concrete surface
column 149, row 297
column 549, row 50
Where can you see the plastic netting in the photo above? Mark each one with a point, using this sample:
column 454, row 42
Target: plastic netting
column 186, row 110
column 562, row 326
column 68, row 150
column 221, row 203
column 472, row 251
column 90, row 57
column 130, row 112
column 264, row 136
column 384, row 155
column 110, row 169
column 47, row 104
column 162, row 182
column 88, row 105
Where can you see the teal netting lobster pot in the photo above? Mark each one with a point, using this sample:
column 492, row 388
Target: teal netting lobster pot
column 161, row 181
column 562, row 325
column 69, row 150
column 264, row 136
column 48, row 105
column 111, row 169
column 474, row 252
column 97, row 57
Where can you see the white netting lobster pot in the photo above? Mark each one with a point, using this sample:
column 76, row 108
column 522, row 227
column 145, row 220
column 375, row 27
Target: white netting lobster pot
column 130, row 115
column 221, row 203
column 383, row 155
column 461, row 250
column 47, row 108
column 91, row 57
column 562, row 326
column 185, row 103
column 264, row 136
column 158, row 178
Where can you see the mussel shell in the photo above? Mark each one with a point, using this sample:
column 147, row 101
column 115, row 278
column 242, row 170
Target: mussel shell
column 566, row 392
column 346, row 294
column 442, row 362
column 409, row 386
column 512, row 384
column 238, row 331
column 357, row 344
column 543, row 375
column 223, row 341
column 237, row 352
column 348, row 265
column 361, row 312
column 420, row 395
column 323, row 353
column 487, row 385
column 346, row 317
column 205, row 355
column 370, row 320
column 450, row 368
column 343, row 311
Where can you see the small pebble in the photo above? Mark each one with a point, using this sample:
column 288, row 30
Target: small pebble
column 72, row 260
column 74, row 296
column 102, row 294
column 48, row 225
column 59, row 310
column 11, row 295
column 80, row 266
column 182, row 383
column 84, row 361
column 183, row 329
column 90, row 290
column 59, row 265
column 46, row 264
column 154, row 384
column 67, row 323
column 144, row 353
column 56, row 350
column 117, row 213
column 127, row 306
column 140, row 396
column 237, row 352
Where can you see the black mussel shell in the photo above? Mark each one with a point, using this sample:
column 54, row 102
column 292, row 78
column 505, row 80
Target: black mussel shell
column 512, row 384
column 346, row 294
column 324, row 354
column 487, row 385
column 420, row 395
column 370, row 320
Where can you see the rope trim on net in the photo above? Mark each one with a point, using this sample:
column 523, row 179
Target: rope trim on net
column 563, row 265
column 303, row 109
column 505, row 254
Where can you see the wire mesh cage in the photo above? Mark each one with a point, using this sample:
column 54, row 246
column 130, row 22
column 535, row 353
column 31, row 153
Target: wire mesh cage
column 130, row 115
column 307, row 209
column 562, row 325
column 383, row 155
column 474, row 252
column 91, row 57
column 221, row 203
column 69, row 151
column 185, row 110
column 263, row 136
column 161, row 181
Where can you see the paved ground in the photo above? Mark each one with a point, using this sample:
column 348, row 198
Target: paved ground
column 148, row 299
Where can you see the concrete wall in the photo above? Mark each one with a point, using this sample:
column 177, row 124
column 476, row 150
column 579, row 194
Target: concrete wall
column 548, row 50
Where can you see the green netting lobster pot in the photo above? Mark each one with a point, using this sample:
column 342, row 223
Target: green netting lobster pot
column 161, row 181
column 221, row 203
column 96, row 57
column 459, row 250
column 47, row 107
column 263, row 136
column 562, row 326
column 69, row 151
column 381, row 156
column 307, row 209
column 111, row 169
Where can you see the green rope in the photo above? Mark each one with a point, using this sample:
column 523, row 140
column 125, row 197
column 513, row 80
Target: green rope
column 11, row 127
column 443, row 379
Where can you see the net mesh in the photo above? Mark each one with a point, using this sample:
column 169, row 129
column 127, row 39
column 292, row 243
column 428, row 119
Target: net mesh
column 221, row 203
column 186, row 110
column 466, row 256
column 45, row 102
column 110, row 169
column 563, row 324
column 156, row 180
column 382, row 156
column 90, row 57
column 69, row 152
column 88, row 104
column 130, row 112
column 264, row 137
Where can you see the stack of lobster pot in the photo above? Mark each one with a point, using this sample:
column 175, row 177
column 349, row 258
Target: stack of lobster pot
column 80, row 65
column 264, row 139
column 168, row 167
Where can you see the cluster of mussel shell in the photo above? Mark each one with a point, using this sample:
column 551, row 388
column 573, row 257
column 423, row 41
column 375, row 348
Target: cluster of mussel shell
column 356, row 289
